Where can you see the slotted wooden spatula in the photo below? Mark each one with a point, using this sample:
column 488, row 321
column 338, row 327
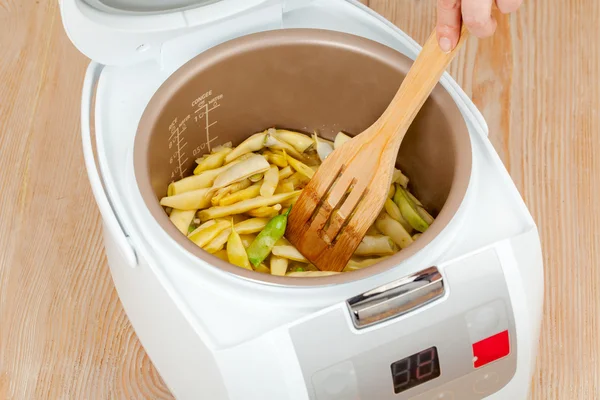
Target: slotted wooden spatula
column 345, row 196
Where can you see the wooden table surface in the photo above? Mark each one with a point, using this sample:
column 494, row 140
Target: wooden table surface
column 63, row 332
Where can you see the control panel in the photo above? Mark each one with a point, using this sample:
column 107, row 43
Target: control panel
column 446, row 332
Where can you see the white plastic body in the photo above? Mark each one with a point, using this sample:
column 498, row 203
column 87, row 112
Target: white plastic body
column 213, row 335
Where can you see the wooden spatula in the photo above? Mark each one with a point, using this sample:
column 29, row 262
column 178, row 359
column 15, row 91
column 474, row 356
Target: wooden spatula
column 347, row 193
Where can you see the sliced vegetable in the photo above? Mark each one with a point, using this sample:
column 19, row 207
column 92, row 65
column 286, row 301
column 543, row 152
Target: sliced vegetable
column 409, row 210
column 222, row 255
column 300, row 167
column 247, row 240
column 286, row 172
column 227, row 145
column 376, row 246
column 262, row 268
column 253, row 225
column 340, row 139
column 194, row 200
column 400, row 178
column 182, row 219
column 245, row 206
column 255, row 164
column 417, row 236
column 236, row 252
column 299, row 141
column 276, row 159
column 392, row 228
column 203, row 226
column 323, row 148
column 273, row 143
column 270, row 182
column 297, row 179
column 213, row 161
column 392, row 209
column 218, row 242
column 204, row 236
column 279, row 265
column 195, row 182
column 245, row 194
column 236, row 187
column 263, row 244
column 420, row 208
column 284, row 187
column 254, row 143
column 392, row 191
column 265, row 212
column 355, row 263
column 289, row 252
column 256, row 177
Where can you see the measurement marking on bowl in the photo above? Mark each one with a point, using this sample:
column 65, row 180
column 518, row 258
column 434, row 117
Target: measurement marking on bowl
column 204, row 107
column 178, row 140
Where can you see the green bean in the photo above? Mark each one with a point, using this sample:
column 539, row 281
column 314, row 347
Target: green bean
column 261, row 247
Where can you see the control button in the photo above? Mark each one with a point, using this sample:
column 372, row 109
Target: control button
column 491, row 349
column 445, row 395
column 487, row 383
column 486, row 320
column 336, row 383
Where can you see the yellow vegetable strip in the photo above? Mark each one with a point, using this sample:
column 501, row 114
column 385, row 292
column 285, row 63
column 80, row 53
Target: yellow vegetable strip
column 286, row 172
column 279, row 265
column 236, row 187
column 270, row 182
column 289, row 252
column 213, row 161
column 300, row 167
column 245, row 194
column 252, row 225
column 273, row 143
column 247, row 240
column 400, row 178
column 222, row 255
column 376, row 246
column 182, row 219
column 276, row 159
column 284, row 187
column 392, row 228
column 218, row 242
column 356, row 264
column 204, row 236
column 236, row 252
column 194, row 200
column 194, row 182
column 392, row 209
column 255, row 164
column 245, row 206
column 299, row 141
column 265, row 212
column 253, row 143
column 256, row 177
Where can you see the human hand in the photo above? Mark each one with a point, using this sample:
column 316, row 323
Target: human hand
column 475, row 14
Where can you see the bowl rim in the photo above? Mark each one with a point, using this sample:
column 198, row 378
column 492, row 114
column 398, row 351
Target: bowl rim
column 320, row 37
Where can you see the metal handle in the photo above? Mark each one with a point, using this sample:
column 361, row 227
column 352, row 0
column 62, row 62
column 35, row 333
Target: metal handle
column 396, row 298
column 106, row 210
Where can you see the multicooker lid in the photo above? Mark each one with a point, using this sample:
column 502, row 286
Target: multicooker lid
column 123, row 32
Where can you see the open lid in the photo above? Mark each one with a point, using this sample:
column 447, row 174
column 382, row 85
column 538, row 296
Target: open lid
column 123, row 32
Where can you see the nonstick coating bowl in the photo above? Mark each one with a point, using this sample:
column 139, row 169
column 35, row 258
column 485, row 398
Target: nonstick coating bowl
column 307, row 80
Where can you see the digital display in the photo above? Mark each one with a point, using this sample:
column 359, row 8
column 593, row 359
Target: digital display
column 415, row 370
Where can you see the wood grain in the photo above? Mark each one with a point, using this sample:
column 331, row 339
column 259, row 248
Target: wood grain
column 63, row 332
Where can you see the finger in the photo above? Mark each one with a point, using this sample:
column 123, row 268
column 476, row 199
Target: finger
column 477, row 16
column 448, row 24
column 508, row 6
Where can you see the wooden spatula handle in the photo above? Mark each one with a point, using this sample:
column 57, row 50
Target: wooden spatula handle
column 416, row 87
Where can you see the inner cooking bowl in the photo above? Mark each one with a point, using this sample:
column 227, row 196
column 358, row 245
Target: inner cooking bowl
column 306, row 80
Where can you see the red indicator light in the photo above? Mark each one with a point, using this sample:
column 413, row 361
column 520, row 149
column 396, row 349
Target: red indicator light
column 491, row 349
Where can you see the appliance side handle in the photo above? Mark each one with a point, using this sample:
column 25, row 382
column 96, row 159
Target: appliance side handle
column 107, row 211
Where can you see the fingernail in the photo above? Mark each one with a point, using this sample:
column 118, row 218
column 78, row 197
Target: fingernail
column 445, row 45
